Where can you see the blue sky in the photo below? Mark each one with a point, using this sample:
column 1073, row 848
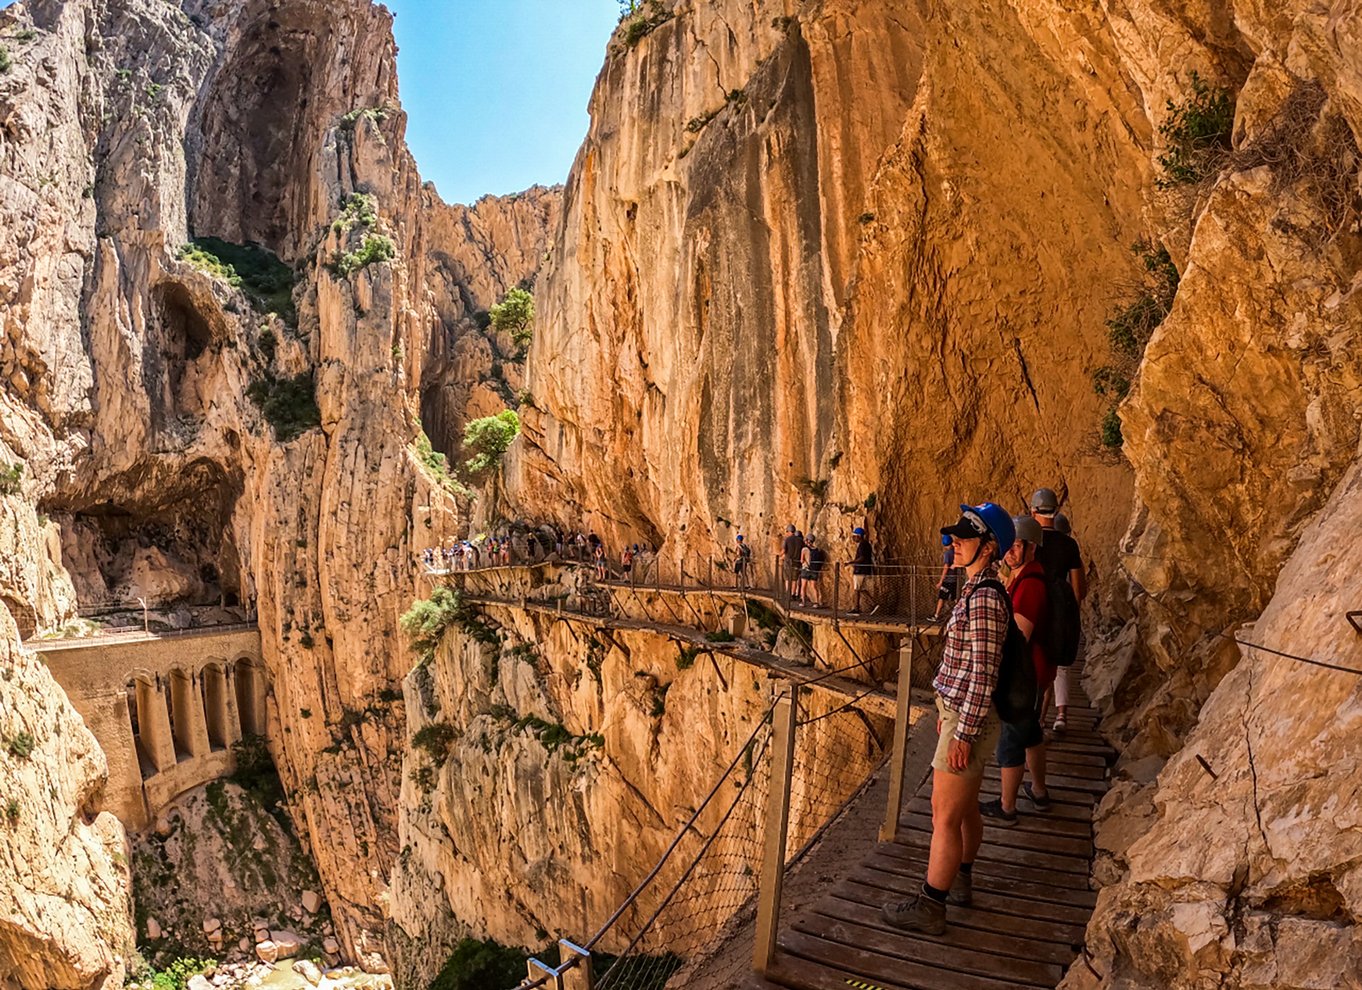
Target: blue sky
column 496, row 90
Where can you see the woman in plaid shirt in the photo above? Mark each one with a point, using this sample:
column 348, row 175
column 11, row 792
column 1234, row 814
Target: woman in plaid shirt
column 967, row 722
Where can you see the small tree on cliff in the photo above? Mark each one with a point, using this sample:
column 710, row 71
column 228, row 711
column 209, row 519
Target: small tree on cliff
column 487, row 439
column 515, row 315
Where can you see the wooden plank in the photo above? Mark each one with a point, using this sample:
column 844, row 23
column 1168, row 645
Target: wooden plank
column 1054, row 922
column 904, row 859
column 1078, row 847
column 959, row 951
column 1066, row 819
column 1001, row 934
column 875, row 965
column 799, row 973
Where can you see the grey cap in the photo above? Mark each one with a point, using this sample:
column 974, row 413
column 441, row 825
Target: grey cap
column 1045, row 501
column 1028, row 530
column 790, row 528
column 1062, row 523
column 809, row 539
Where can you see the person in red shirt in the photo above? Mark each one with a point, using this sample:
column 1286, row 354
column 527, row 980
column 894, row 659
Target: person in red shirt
column 1022, row 746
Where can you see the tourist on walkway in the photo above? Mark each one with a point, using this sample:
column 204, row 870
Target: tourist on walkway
column 598, row 554
column 627, row 560
column 792, row 549
column 967, row 721
column 742, row 564
column 862, row 570
column 1062, row 561
column 811, row 561
column 1021, row 745
column 949, row 581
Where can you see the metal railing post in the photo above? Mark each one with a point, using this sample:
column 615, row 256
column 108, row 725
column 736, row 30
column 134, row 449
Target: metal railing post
column 579, row 976
column 777, row 824
column 889, row 828
column 836, row 593
column 534, row 970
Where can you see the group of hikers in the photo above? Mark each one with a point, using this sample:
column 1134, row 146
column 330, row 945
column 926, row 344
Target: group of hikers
column 803, row 563
column 1012, row 635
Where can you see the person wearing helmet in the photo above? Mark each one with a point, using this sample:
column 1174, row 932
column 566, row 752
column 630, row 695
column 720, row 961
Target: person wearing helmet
column 742, row 560
column 1061, row 560
column 967, row 721
column 862, row 569
column 792, row 548
column 947, row 584
column 1062, row 524
column 810, row 569
column 1022, row 745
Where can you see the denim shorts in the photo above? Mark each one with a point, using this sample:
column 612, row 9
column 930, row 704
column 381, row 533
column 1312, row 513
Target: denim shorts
column 1016, row 739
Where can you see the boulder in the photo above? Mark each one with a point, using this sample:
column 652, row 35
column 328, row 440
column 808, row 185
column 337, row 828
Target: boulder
column 199, row 982
column 330, row 946
column 153, row 930
column 287, row 943
column 312, row 901
column 244, row 945
column 211, row 925
column 267, row 952
column 308, row 970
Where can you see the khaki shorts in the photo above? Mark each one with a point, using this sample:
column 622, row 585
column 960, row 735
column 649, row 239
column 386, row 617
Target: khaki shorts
column 861, row 582
column 983, row 747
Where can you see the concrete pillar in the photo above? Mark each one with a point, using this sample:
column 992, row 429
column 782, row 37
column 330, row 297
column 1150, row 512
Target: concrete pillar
column 217, row 709
column 233, row 715
column 191, row 735
column 153, row 719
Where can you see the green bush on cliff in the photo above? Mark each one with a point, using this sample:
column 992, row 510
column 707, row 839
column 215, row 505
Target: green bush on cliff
column 376, row 249
column 5, row 60
column 266, row 281
column 10, row 476
column 21, row 746
column 515, row 315
column 289, row 404
column 436, row 739
column 1197, row 132
column 487, row 439
column 176, row 975
column 429, row 618
column 481, row 965
column 438, row 465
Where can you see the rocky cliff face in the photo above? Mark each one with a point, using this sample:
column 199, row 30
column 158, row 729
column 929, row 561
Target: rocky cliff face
column 64, row 909
column 817, row 252
column 242, row 441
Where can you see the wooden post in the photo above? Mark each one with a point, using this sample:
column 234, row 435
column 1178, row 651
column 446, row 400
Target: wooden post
column 889, row 829
column 534, row 969
column 777, row 824
column 579, row 977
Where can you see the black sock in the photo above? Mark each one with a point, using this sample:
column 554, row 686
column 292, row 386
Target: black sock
column 937, row 895
column 967, row 868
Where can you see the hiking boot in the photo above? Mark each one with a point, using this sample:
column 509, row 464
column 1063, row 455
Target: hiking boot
column 1060, row 724
column 997, row 814
column 917, row 914
column 1041, row 802
column 962, row 890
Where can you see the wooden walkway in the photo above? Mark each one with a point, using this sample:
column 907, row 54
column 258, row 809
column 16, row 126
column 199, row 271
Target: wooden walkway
column 1032, row 897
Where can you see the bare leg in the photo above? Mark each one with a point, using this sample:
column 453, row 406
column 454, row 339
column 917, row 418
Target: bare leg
column 957, row 828
column 1012, row 780
column 1035, row 762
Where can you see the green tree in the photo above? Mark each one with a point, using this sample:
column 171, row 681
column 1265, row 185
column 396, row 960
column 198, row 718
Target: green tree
column 515, row 315
column 487, row 439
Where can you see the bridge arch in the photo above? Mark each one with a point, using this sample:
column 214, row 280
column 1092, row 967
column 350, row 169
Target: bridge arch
column 251, row 686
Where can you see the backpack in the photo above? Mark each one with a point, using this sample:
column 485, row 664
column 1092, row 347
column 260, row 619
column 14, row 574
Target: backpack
column 1016, row 695
column 1064, row 623
column 744, row 552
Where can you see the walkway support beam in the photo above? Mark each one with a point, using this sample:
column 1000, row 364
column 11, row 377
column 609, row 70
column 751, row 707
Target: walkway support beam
column 898, row 770
column 777, row 826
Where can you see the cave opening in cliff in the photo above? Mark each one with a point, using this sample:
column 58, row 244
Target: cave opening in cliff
column 185, row 335
column 171, row 546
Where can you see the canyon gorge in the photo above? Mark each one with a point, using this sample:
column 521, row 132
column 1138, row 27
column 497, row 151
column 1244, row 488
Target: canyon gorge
column 827, row 262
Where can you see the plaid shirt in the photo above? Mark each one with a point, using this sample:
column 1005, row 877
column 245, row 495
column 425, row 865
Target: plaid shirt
column 974, row 651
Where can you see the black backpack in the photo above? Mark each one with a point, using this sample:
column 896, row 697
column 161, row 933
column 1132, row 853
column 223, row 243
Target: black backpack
column 1016, row 695
column 1063, row 624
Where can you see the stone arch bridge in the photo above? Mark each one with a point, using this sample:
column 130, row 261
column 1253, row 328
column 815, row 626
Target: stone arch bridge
column 165, row 709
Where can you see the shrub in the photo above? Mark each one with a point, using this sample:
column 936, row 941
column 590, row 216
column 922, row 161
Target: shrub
column 487, row 439
column 266, row 281
column 1111, row 429
column 438, row 465
column 423, row 777
column 515, row 315
column 640, row 19
column 719, row 636
column 1197, row 132
column 349, row 121
column 268, row 343
column 376, row 249
column 21, row 746
column 478, row 965
column 12, row 811
column 25, row 36
column 436, row 739
column 176, row 975
column 429, row 618
column 5, row 60
column 290, row 404
column 10, row 478
column 686, row 659
column 357, row 209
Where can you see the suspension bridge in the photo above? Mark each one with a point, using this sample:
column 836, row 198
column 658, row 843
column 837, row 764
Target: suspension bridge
column 713, row 913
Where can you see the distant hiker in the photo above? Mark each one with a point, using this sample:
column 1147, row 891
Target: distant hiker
column 949, row 580
column 598, row 554
column 862, row 569
column 742, row 563
column 792, row 549
column 1063, row 563
column 967, row 721
column 1021, row 745
column 627, row 560
column 811, row 561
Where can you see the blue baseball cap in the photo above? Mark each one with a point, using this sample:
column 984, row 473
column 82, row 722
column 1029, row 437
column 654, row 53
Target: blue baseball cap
column 858, row 531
